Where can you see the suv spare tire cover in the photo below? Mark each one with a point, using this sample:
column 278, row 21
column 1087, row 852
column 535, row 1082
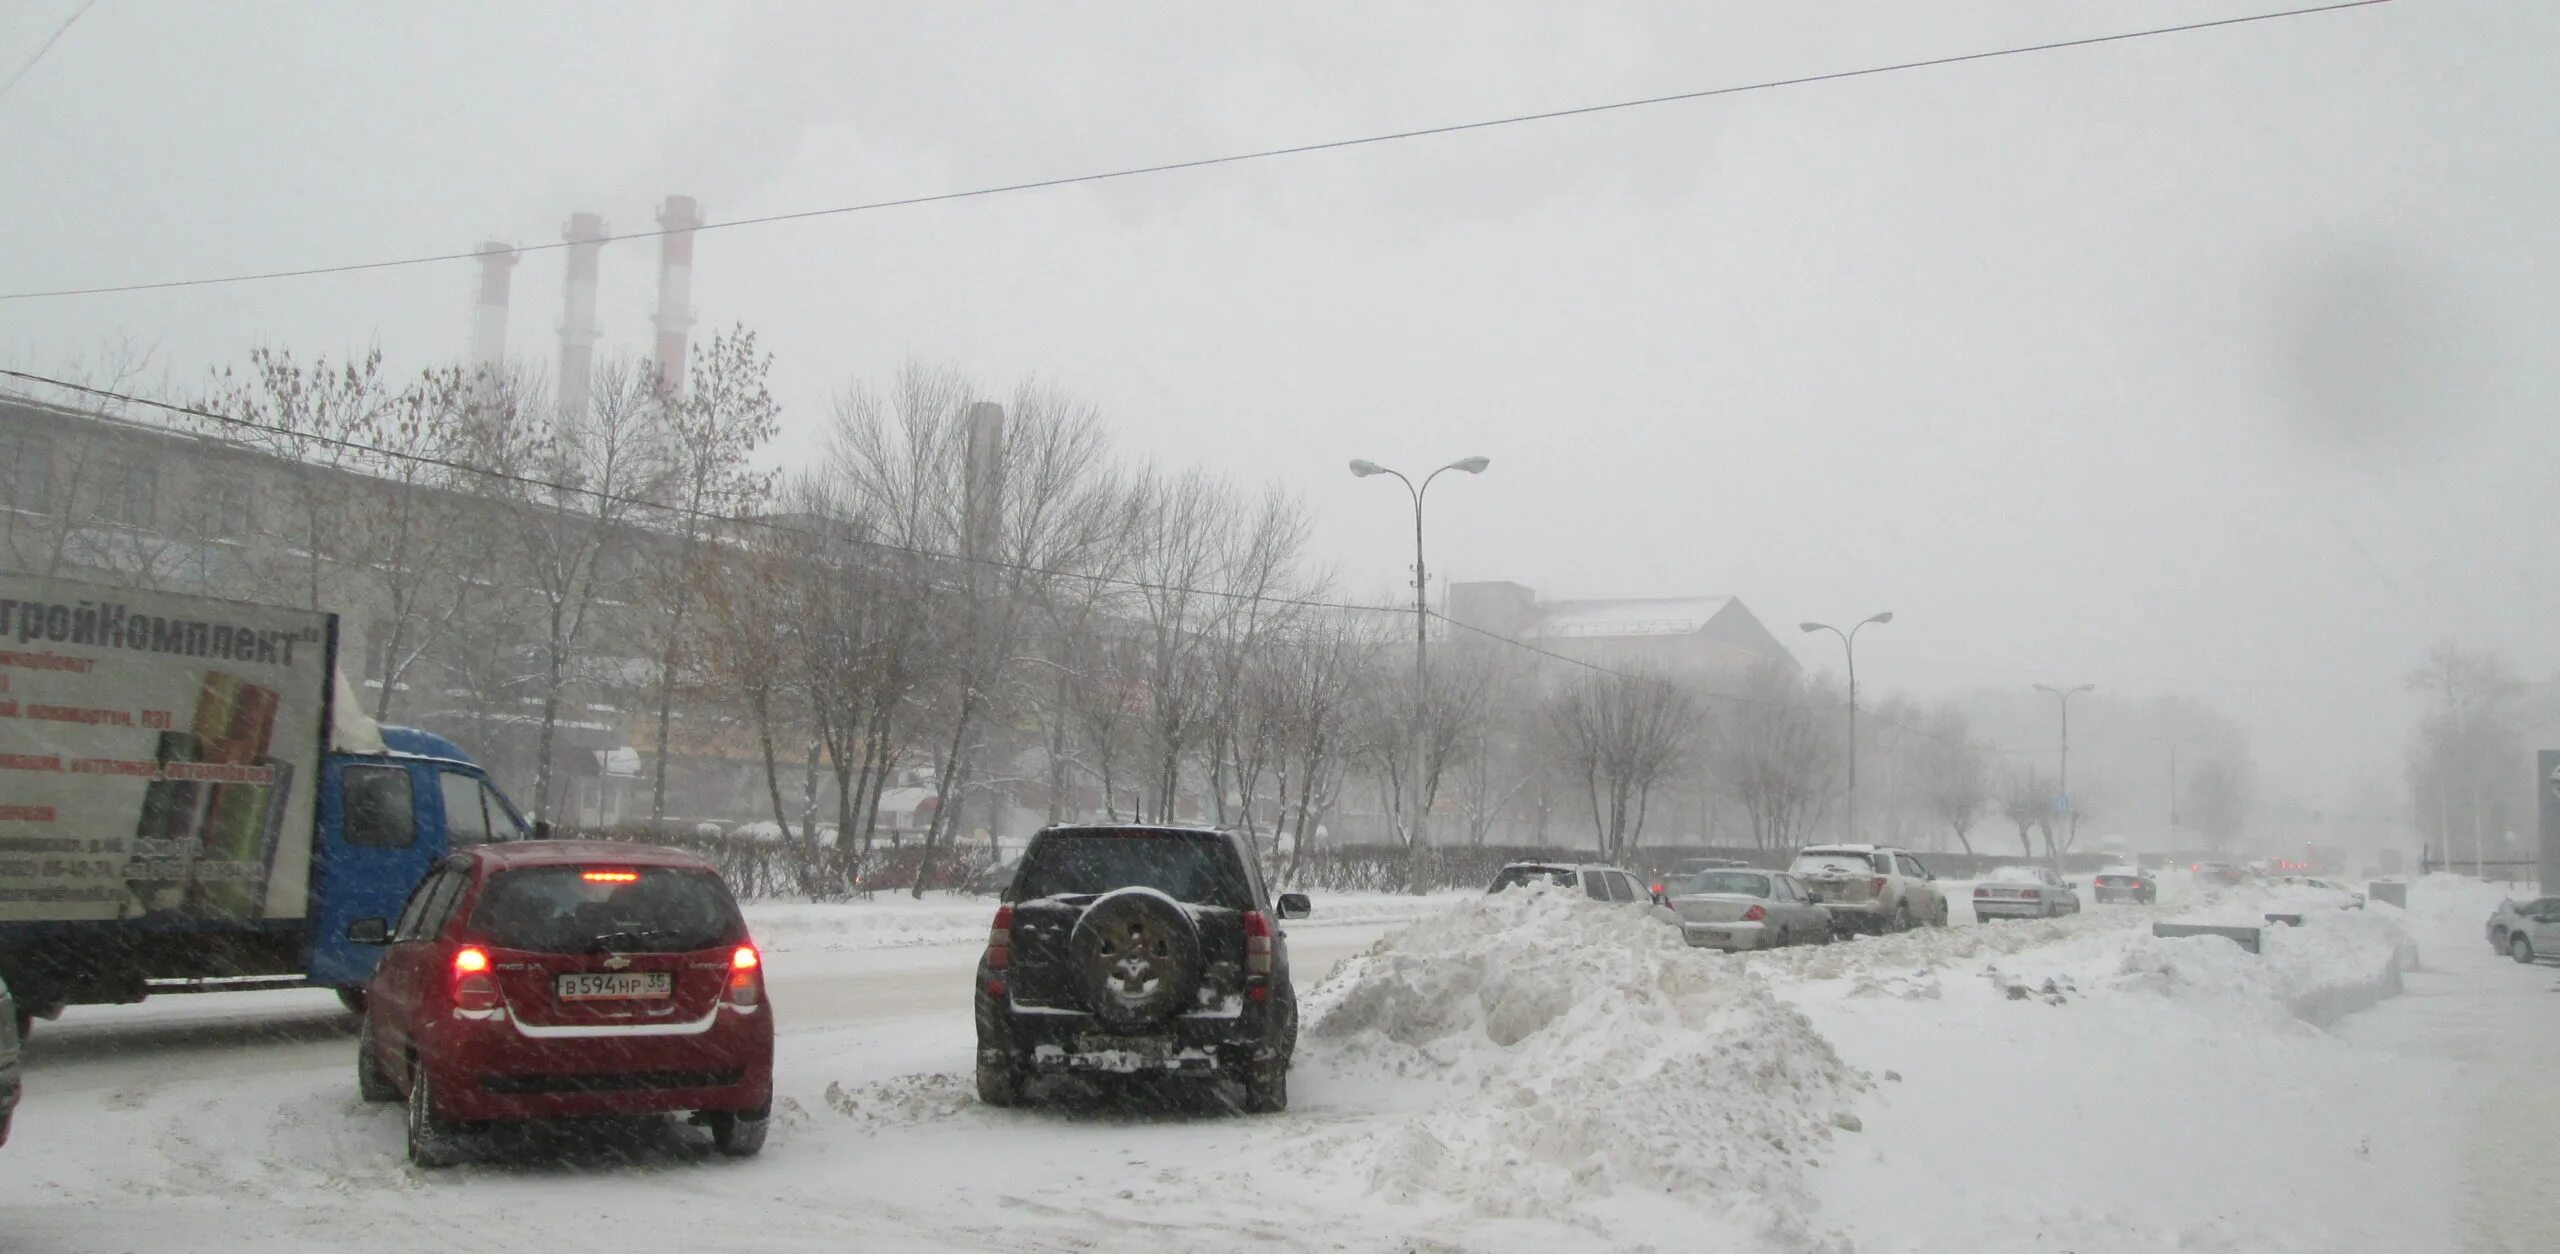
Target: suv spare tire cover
column 1135, row 955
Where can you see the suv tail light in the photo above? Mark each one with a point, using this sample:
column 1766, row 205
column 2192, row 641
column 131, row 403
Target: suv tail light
column 1754, row 914
column 1257, row 956
column 999, row 952
column 475, row 991
column 746, row 977
column 1877, row 885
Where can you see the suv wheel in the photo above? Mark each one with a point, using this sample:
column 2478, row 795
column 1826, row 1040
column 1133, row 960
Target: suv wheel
column 738, row 1134
column 1902, row 916
column 2520, row 948
column 1266, row 1088
column 371, row 1084
column 432, row 1141
column 999, row 1085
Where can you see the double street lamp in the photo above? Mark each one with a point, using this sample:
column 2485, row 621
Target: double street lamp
column 1421, row 630
column 1849, row 643
column 2062, row 796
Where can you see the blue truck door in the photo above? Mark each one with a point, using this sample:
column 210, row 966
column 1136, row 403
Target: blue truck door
column 380, row 831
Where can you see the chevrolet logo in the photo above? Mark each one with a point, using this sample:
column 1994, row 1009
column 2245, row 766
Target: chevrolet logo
column 616, row 963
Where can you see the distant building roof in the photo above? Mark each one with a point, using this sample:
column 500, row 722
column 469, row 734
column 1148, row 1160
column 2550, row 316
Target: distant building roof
column 1630, row 616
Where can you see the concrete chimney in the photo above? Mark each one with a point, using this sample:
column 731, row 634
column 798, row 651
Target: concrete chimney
column 489, row 312
column 678, row 217
column 585, row 236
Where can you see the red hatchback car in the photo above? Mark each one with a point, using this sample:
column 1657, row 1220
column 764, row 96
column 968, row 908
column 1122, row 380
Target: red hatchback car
column 555, row 979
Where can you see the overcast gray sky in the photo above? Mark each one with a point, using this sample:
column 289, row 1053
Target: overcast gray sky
column 2216, row 364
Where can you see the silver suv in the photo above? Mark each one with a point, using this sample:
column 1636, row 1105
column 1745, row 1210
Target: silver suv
column 1871, row 888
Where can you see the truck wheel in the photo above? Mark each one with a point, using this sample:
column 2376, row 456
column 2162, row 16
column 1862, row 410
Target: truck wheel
column 352, row 999
column 2520, row 948
column 1266, row 1088
column 736, row 1134
column 371, row 1084
column 432, row 1141
column 999, row 1085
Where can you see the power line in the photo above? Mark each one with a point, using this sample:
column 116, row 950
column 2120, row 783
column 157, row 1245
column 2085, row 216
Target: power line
column 1202, row 163
column 47, row 46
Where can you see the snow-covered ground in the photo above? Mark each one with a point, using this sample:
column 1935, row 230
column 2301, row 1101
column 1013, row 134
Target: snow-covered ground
column 1535, row 1072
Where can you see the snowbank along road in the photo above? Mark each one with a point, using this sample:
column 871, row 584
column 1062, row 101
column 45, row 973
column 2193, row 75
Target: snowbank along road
column 1527, row 1072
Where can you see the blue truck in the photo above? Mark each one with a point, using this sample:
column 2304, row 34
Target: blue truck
column 192, row 800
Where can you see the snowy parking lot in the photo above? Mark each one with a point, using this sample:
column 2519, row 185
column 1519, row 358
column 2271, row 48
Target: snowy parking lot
column 1529, row 1072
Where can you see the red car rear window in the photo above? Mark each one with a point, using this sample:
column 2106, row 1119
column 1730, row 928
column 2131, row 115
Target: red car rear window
column 575, row 909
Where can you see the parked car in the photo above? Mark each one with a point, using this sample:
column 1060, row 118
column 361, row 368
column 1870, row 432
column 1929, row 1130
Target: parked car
column 2526, row 930
column 2023, row 892
column 1748, row 910
column 2125, row 883
column 566, row 978
column 9, row 1038
column 1138, row 950
column 2218, row 873
column 1599, row 882
column 1870, row 888
column 1668, row 883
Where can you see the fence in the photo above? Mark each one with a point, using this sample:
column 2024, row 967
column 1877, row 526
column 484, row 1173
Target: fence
column 759, row 868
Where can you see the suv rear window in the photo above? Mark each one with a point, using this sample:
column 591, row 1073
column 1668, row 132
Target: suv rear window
column 1198, row 870
column 576, row 909
column 1841, row 862
column 1515, row 876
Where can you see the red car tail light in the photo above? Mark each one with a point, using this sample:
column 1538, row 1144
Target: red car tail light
column 746, row 977
column 1257, row 956
column 475, row 991
column 1754, row 914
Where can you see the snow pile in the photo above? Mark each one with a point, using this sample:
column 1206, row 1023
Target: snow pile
column 897, row 921
column 1570, row 1051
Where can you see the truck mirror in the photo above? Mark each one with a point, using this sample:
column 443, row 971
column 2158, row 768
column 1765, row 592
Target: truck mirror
column 369, row 932
column 1295, row 906
column 542, row 829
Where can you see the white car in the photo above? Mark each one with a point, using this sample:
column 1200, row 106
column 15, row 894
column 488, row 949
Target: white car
column 2023, row 892
column 1728, row 909
column 1871, row 888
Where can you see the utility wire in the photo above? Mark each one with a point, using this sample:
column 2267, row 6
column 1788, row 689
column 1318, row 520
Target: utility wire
column 46, row 47
column 1202, row 163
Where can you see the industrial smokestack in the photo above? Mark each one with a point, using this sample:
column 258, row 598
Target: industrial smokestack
column 585, row 236
column 678, row 217
column 489, row 313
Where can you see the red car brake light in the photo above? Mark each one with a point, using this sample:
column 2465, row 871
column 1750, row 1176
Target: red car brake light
column 475, row 991
column 746, row 977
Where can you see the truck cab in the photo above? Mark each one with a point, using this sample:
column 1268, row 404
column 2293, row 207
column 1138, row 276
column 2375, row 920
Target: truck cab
column 385, row 818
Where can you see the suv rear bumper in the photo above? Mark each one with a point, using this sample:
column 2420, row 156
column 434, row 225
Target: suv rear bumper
column 1859, row 916
column 1049, row 1042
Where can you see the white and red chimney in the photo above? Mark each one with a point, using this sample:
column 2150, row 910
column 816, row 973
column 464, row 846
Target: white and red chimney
column 585, row 237
column 678, row 218
column 489, row 309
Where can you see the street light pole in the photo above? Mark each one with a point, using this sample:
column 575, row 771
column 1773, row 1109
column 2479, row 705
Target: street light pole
column 1421, row 639
column 1849, row 645
column 2070, row 813
column 2173, row 742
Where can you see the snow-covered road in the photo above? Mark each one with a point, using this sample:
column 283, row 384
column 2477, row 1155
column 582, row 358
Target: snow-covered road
column 1497, row 1081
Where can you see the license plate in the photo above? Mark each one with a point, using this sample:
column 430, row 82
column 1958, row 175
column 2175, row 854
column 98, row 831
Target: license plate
column 615, row 985
column 1138, row 1046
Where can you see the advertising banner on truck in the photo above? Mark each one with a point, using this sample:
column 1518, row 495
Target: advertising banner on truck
column 159, row 753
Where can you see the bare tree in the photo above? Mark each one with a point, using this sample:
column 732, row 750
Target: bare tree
column 1777, row 755
column 1954, row 773
column 2468, row 752
column 1317, row 666
column 2217, row 802
column 2026, row 799
column 711, row 435
column 1621, row 735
